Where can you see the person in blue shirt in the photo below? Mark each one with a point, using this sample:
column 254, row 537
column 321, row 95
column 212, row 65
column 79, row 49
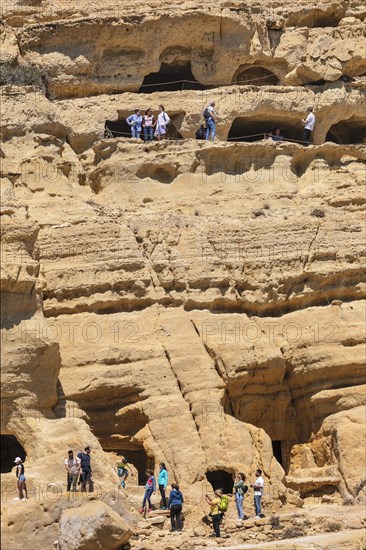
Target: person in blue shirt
column 277, row 135
column 135, row 121
column 150, row 488
column 175, row 504
column 163, row 482
column 85, row 471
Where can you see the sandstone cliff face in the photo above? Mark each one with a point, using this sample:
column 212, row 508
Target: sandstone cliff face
column 193, row 303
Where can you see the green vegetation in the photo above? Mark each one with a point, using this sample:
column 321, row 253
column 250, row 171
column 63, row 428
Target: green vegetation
column 26, row 75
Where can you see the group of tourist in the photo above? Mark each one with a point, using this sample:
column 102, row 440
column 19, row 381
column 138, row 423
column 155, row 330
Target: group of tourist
column 148, row 124
column 158, row 126
column 79, row 471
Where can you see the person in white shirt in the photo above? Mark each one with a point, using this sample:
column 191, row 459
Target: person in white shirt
column 308, row 124
column 258, row 487
column 72, row 465
column 162, row 122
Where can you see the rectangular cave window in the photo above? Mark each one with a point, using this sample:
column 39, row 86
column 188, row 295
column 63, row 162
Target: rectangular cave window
column 277, row 451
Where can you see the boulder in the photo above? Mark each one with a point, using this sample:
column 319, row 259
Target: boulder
column 93, row 526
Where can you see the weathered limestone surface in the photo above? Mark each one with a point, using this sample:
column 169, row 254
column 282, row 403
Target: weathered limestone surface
column 186, row 302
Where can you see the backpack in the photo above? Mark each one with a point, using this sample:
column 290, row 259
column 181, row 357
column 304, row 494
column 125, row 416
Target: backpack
column 224, row 503
column 120, row 471
column 245, row 489
column 206, row 113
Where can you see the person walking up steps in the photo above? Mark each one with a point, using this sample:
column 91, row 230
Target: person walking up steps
column 258, row 487
column 209, row 116
column 175, row 504
column 135, row 122
column 122, row 471
column 163, row 482
column 150, row 489
column 308, row 124
column 21, row 481
column 240, row 490
column 215, row 510
column 72, row 465
column 162, row 122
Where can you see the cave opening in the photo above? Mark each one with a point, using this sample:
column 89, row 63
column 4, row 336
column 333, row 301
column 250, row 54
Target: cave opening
column 10, row 449
column 117, row 128
column 349, row 131
column 220, row 479
column 253, row 129
column 140, row 460
column 169, row 78
column 277, row 451
column 255, row 76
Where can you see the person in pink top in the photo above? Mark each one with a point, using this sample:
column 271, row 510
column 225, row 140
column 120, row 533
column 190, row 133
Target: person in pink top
column 148, row 124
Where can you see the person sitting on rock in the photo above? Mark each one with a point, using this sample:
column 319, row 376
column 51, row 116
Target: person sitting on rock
column 258, row 487
column 277, row 135
column 135, row 121
column 175, row 504
column 122, row 470
column 201, row 132
column 240, row 490
column 72, row 465
column 21, row 481
column 215, row 510
column 162, row 122
column 162, row 483
column 150, row 489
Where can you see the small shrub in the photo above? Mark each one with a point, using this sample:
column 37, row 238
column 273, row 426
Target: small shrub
column 292, row 532
column 275, row 522
column 26, row 75
column 333, row 526
column 318, row 213
column 258, row 213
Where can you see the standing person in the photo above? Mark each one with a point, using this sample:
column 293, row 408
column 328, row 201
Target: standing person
column 135, row 122
column 148, row 123
column 308, row 124
column 21, row 481
column 163, row 482
column 162, row 122
column 150, row 488
column 122, row 470
column 85, row 471
column 240, row 490
column 175, row 504
column 209, row 116
column 258, row 487
column 72, row 465
column 215, row 510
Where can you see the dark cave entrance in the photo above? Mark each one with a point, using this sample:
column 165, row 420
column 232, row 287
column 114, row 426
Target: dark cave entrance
column 169, row 77
column 10, row 449
column 220, row 479
column 118, row 128
column 255, row 76
column 349, row 131
column 277, row 451
column 140, row 460
column 246, row 129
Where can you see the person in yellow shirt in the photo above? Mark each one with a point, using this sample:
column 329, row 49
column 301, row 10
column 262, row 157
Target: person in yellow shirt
column 215, row 510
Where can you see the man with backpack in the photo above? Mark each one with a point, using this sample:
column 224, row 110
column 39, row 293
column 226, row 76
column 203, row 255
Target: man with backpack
column 209, row 116
column 218, row 507
column 86, row 471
